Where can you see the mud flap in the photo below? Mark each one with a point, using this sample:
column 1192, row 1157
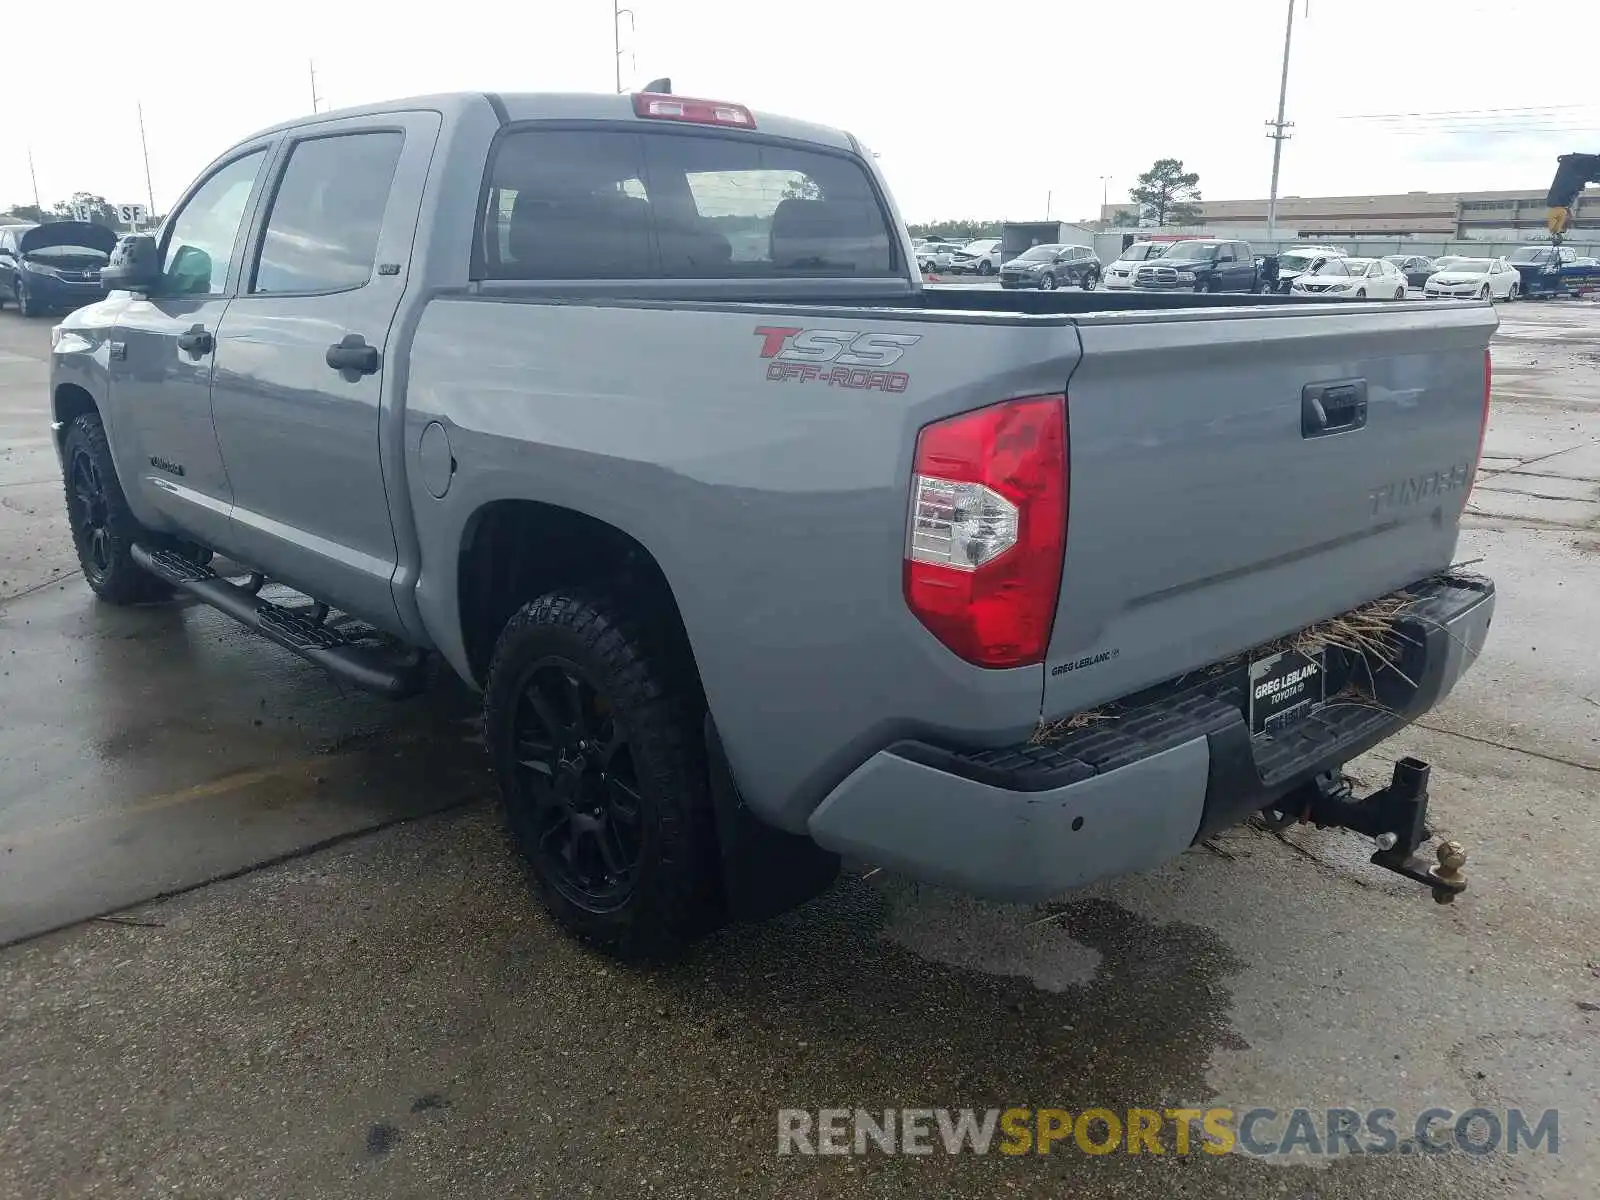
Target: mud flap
column 765, row 870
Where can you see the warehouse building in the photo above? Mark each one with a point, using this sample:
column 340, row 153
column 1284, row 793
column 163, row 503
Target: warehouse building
column 1510, row 215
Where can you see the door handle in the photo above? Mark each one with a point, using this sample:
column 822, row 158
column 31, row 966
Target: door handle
column 197, row 340
column 1333, row 408
column 351, row 355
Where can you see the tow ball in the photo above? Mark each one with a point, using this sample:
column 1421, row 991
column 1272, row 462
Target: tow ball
column 1395, row 817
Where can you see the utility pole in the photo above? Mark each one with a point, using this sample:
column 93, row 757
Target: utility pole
column 149, row 188
column 1048, row 197
column 617, row 13
column 315, row 99
column 34, row 175
column 1105, row 181
column 1279, row 129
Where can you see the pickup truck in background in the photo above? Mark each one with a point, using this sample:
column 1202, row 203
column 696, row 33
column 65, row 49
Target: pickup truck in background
column 634, row 411
column 1201, row 266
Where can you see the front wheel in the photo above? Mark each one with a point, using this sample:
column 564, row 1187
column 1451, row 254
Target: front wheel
column 1048, row 282
column 1511, row 292
column 103, row 528
column 26, row 305
column 1483, row 294
column 1361, row 293
column 1400, row 292
column 984, row 268
column 594, row 725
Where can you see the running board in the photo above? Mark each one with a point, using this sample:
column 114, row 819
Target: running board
column 386, row 673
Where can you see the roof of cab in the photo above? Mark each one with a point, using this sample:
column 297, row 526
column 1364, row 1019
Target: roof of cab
column 563, row 106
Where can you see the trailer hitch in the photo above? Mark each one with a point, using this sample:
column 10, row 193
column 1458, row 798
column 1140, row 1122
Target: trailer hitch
column 1395, row 817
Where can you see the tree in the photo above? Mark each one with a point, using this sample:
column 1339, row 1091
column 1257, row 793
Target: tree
column 967, row 230
column 1167, row 194
column 28, row 212
column 100, row 210
column 1125, row 218
column 802, row 188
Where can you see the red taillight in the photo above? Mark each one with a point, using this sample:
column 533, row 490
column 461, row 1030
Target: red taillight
column 989, row 529
column 697, row 112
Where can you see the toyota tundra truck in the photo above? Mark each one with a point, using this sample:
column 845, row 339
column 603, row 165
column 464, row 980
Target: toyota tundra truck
column 636, row 413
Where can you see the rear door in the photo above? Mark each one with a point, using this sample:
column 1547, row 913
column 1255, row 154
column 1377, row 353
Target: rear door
column 1208, row 510
column 301, row 359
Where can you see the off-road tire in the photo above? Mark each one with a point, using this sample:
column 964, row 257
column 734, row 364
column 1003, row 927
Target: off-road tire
column 117, row 579
column 648, row 679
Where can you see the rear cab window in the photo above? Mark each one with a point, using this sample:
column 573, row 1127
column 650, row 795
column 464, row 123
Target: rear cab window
column 563, row 204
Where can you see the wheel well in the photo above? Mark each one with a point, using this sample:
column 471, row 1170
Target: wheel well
column 70, row 403
column 515, row 550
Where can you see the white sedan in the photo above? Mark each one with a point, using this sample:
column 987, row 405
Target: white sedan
column 1351, row 279
column 1475, row 279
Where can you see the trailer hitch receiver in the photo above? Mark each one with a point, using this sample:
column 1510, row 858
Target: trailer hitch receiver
column 1395, row 817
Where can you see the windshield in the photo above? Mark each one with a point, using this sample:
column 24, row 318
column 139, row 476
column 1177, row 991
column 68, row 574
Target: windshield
column 1469, row 265
column 1142, row 251
column 1297, row 260
column 1192, row 251
column 982, row 245
column 1038, row 253
column 1355, row 266
column 1331, row 266
column 1531, row 254
column 1397, row 259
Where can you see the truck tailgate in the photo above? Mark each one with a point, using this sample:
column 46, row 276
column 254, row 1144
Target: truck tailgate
column 1235, row 478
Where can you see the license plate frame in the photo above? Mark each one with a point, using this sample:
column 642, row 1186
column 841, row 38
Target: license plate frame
column 1284, row 687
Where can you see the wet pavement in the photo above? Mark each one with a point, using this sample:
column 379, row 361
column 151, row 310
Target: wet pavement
column 391, row 1016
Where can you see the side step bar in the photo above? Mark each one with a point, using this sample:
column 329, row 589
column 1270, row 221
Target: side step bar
column 385, row 673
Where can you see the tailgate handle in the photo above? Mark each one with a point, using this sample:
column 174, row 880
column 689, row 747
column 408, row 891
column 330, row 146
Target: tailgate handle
column 1332, row 408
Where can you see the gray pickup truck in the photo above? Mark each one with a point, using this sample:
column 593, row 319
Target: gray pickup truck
column 635, row 411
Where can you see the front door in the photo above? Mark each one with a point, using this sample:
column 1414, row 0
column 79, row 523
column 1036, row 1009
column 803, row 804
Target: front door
column 301, row 360
column 162, row 354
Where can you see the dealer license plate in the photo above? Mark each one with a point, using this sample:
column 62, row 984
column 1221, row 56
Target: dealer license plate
column 1285, row 687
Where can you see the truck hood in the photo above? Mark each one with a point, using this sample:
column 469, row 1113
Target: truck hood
column 68, row 233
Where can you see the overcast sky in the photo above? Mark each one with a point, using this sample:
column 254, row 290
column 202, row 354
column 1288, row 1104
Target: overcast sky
column 975, row 110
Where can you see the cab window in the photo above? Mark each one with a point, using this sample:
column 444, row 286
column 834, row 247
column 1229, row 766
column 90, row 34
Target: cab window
column 203, row 236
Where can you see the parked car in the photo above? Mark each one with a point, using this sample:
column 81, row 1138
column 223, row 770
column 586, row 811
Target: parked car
column 981, row 257
column 1298, row 259
column 1415, row 267
column 53, row 267
column 1052, row 266
column 1352, row 279
column 1476, row 278
column 1201, row 266
column 1554, row 271
column 933, row 256
column 729, row 621
column 1119, row 274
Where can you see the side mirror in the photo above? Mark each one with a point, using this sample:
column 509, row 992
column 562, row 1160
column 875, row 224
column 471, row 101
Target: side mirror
column 135, row 265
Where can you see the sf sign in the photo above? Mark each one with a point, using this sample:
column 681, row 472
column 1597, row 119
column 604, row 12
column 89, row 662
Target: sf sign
column 844, row 358
column 125, row 214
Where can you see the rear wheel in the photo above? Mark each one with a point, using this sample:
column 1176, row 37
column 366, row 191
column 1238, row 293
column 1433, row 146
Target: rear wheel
column 1048, row 282
column 594, row 724
column 1091, row 280
column 103, row 527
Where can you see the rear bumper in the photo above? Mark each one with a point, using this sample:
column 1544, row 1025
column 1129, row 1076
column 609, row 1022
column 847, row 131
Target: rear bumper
column 1032, row 821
